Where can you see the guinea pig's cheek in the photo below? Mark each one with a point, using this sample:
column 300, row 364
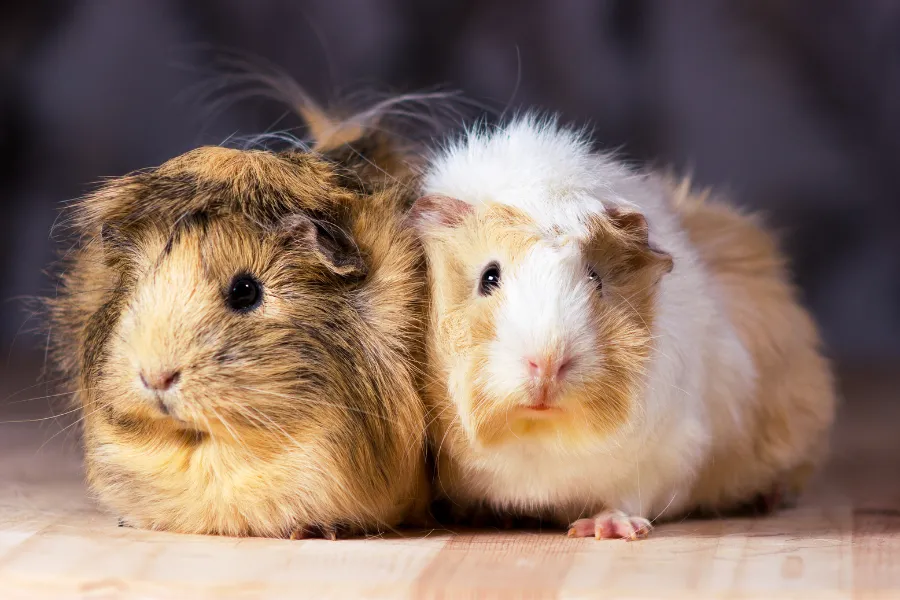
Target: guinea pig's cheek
column 116, row 351
column 117, row 386
column 126, row 323
column 454, row 335
column 459, row 389
column 589, row 352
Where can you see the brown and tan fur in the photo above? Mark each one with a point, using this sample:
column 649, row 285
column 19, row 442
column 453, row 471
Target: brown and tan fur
column 789, row 419
column 302, row 415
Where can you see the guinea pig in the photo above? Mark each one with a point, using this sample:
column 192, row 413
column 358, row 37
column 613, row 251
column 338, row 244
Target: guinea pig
column 242, row 330
column 607, row 348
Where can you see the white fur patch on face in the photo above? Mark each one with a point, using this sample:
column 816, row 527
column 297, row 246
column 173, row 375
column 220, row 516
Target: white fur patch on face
column 545, row 312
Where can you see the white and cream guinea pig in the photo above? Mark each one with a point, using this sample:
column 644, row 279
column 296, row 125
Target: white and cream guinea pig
column 605, row 347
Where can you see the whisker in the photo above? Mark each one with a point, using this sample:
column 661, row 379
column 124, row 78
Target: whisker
column 660, row 513
column 317, row 402
column 31, row 387
column 36, row 398
column 85, row 416
column 51, row 417
column 226, row 425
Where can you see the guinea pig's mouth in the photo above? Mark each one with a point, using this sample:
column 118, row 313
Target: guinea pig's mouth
column 542, row 400
column 180, row 414
column 167, row 410
column 539, row 410
column 541, row 407
column 163, row 407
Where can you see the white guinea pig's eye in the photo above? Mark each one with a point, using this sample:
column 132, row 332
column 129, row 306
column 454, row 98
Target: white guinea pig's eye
column 595, row 279
column 244, row 294
column 490, row 279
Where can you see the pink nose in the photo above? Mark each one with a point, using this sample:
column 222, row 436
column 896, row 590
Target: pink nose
column 548, row 367
column 160, row 381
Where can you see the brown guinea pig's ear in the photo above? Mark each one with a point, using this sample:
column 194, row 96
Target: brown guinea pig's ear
column 632, row 226
column 333, row 246
column 437, row 210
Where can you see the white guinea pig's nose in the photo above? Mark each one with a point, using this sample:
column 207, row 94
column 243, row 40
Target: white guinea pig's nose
column 548, row 366
column 159, row 381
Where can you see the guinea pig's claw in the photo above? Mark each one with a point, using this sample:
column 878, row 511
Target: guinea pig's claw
column 305, row 532
column 611, row 524
column 300, row 533
column 768, row 502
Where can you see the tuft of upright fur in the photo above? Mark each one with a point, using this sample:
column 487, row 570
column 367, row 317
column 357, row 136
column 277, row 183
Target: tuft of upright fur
column 302, row 414
column 693, row 377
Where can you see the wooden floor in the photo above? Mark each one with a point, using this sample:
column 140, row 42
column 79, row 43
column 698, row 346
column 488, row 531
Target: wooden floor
column 842, row 541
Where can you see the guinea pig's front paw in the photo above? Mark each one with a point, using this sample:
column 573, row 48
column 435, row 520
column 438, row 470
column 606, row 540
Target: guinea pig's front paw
column 611, row 524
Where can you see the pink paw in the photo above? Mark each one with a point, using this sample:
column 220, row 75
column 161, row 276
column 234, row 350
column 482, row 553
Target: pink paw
column 611, row 524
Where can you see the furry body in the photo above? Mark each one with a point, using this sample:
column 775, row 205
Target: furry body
column 301, row 415
column 695, row 388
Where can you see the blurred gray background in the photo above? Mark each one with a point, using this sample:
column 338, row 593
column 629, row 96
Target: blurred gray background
column 791, row 107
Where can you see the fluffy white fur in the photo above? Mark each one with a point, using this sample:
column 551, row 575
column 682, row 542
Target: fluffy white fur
column 699, row 365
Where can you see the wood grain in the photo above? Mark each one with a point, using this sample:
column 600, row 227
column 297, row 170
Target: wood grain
column 841, row 541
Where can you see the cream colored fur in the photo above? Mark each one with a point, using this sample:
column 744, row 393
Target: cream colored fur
column 733, row 398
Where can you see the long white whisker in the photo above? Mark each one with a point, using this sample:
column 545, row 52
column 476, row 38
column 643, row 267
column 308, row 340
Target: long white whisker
column 51, row 417
column 85, row 416
column 660, row 513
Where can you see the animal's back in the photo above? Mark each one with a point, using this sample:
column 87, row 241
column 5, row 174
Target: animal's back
column 780, row 433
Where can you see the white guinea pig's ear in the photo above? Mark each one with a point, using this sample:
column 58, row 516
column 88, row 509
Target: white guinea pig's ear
column 335, row 247
column 635, row 232
column 437, row 210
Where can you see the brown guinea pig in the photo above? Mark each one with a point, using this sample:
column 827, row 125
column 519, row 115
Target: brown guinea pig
column 240, row 329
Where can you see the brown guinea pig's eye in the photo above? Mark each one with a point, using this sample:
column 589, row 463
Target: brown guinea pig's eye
column 490, row 279
column 244, row 294
column 595, row 279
